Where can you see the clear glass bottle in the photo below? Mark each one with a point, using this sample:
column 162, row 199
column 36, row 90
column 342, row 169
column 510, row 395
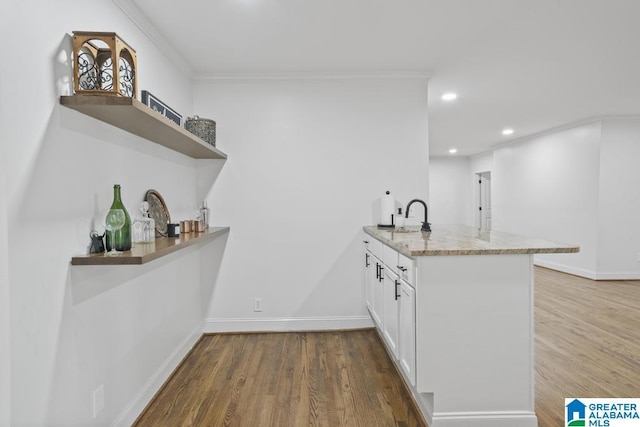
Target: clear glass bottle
column 204, row 214
column 144, row 227
column 151, row 225
column 122, row 238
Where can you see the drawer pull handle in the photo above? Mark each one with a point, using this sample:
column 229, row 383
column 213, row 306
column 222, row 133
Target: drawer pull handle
column 401, row 268
column 397, row 294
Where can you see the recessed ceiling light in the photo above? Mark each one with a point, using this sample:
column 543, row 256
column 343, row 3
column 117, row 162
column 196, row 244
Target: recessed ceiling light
column 450, row 96
column 507, row 131
column 453, row 151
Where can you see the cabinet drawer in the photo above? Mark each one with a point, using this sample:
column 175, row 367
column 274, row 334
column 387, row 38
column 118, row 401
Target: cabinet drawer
column 390, row 258
column 374, row 246
column 407, row 269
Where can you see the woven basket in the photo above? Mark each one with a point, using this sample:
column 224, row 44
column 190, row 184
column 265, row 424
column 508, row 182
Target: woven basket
column 203, row 128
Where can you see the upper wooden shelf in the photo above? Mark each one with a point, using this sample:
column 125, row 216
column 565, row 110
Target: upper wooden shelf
column 133, row 116
column 142, row 253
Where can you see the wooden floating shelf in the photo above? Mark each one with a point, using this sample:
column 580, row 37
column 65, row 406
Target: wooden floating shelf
column 133, row 116
column 142, row 253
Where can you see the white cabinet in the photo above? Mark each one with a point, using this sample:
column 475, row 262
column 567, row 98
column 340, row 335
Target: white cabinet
column 368, row 276
column 373, row 280
column 390, row 258
column 391, row 309
column 407, row 328
column 391, row 301
column 377, row 289
column 407, row 269
column 461, row 333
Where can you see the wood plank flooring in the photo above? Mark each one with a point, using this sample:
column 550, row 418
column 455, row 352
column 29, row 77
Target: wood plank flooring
column 587, row 341
column 285, row 379
column 587, row 345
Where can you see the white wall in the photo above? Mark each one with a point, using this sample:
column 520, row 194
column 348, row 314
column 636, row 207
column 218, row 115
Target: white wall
column 308, row 161
column 450, row 190
column 574, row 185
column 5, row 331
column 74, row 328
column 547, row 187
column 5, row 363
column 480, row 163
column 619, row 200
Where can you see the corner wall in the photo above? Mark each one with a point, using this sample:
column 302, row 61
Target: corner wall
column 619, row 200
column 450, row 191
column 5, row 303
column 547, row 187
column 575, row 185
column 5, row 330
column 73, row 329
column 308, row 161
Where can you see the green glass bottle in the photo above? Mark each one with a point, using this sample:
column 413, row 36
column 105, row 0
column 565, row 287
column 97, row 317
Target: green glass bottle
column 123, row 236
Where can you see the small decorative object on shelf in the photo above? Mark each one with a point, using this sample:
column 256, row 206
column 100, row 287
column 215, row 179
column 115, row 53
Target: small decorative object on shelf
column 156, row 105
column 104, row 65
column 114, row 222
column 203, row 128
column 173, row 230
column 185, row 227
column 158, row 211
column 204, row 214
column 97, row 244
column 120, row 238
column 144, row 227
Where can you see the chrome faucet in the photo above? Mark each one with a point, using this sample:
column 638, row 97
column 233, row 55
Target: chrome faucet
column 425, row 225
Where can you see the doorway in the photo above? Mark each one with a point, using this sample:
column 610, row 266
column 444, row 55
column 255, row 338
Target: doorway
column 483, row 220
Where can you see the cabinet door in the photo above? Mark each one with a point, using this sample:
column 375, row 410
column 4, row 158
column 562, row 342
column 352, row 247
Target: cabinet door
column 377, row 299
column 407, row 351
column 391, row 309
column 368, row 278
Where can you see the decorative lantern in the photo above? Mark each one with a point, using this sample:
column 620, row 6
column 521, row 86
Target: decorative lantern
column 104, row 65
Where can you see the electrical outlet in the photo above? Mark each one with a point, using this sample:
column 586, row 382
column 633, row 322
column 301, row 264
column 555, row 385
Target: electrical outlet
column 638, row 258
column 412, row 212
column 98, row 400
column 257, row 304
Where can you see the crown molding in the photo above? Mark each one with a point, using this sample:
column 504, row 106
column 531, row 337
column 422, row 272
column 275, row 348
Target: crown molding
column 567, row 126
column 140, row 20
column 311, row 76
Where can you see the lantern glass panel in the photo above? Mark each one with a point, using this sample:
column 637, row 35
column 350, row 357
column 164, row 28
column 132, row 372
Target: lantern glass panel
column 126, row 73
column 87, row 70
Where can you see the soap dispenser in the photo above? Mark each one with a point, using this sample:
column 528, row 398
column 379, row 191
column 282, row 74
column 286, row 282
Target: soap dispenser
column 399, row 219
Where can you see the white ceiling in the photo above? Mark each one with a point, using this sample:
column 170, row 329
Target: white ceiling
column 532, row 65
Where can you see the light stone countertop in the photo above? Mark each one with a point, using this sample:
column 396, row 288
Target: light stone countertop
column 446, row 240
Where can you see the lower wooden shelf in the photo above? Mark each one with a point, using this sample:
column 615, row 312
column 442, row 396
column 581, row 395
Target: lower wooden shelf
column 141, row 253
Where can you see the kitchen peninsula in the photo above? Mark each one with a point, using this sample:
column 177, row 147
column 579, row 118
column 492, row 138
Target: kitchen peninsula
column 454, row 307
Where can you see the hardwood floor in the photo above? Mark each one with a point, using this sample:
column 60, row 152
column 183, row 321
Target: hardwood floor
column 587, row 345
column 285, row 379
column 587, row 341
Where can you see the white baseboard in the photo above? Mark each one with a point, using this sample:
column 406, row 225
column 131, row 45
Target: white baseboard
column 617, row 276
column 484, row 419
column 148, row 391
column 565, row 268
column 589, row 274
column 213, row 325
